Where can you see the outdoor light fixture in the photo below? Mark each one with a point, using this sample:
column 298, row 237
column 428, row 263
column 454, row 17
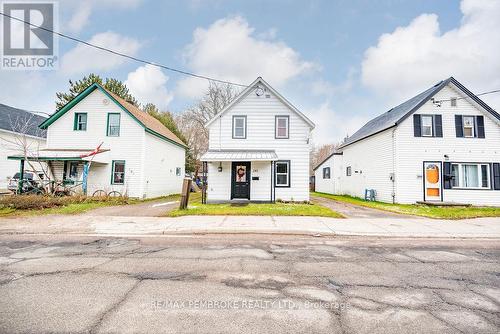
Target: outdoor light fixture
column 220, row 167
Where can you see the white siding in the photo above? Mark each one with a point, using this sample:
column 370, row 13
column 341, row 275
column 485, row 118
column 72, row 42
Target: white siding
column 325, row 185
column 413, row 151
column 371, row 162
column 260, row 190
column 219, row 183
column 9, row 167
column 260, row 112
column 161, row 161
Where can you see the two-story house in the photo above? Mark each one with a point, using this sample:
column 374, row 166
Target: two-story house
column 121, row 148
column 442, row 145
column 258, row 149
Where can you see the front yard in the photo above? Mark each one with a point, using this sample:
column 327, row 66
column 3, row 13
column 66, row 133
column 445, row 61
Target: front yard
column 253, row 209
column 440, row 212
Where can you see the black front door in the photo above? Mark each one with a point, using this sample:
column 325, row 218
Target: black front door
column 240, row 180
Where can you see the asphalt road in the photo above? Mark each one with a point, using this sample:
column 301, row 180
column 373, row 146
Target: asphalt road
column 252, row 284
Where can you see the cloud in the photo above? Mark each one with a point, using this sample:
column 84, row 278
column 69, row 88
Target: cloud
column 229, row 50
column 412, row 58
column 148, row 84
column 83, row 58
column 83, row 11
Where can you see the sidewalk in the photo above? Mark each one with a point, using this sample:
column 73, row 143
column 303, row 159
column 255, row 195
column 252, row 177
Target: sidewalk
column 152, row 226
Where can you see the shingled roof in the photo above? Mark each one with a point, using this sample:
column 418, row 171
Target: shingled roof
column 150, row 124
column 21, row 121
column 397, row 114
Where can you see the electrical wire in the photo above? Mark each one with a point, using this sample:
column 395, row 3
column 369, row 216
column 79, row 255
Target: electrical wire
column 117, row 53
column 462, row 98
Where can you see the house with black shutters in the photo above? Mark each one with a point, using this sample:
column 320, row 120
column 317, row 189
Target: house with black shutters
column 443, row 145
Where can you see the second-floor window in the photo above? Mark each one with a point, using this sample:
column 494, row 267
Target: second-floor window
column 113, row 125
column 326, row 172
column 239, row 127
column 281, row 127
column 428, row 125
column 80, row 121
column 469, row 126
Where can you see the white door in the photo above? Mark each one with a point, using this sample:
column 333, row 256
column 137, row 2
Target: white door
column 433, row 190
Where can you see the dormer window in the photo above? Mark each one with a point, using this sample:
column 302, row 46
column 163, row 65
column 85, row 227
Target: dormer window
column 281, row 125
column 239, row 127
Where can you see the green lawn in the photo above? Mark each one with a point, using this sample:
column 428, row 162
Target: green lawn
column 444, row 212
column 253, row 209
column 25, row 205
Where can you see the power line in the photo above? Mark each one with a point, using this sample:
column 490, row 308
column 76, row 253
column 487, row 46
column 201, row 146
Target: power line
column 462, row 98
column 199, row 76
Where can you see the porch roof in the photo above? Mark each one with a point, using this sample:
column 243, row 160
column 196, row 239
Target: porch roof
column 239, row 155
column 100, row 156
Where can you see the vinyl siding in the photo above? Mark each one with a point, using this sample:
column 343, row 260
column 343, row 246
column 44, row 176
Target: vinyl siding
column 325, row 185
column 413, row 151
column 161, row 161
column 9, row 167
column 371, row 162
column 261, row 112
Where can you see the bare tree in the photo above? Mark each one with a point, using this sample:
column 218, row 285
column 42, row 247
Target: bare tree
column 320, row 153
column 192, row 121
column 24, row 127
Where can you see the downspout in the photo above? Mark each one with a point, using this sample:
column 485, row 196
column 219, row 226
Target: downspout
column 393, row 166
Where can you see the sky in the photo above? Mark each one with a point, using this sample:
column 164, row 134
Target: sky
column 340, row 62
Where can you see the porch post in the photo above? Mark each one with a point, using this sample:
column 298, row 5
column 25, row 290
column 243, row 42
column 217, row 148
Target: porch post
column 21, row 177
column 85, row 176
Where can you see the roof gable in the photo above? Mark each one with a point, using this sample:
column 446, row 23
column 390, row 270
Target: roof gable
column 247, row 90
column 16, row 120
column 399, row 113
column 148, row 122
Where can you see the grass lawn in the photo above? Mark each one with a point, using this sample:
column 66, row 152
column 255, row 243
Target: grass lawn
column 253, row 209
column 67, row 205
column 444, row 212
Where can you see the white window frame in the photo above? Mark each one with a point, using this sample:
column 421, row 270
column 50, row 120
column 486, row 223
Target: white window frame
column 244, row 118
column 461, row 185
column 348, row 171
column 426, row 126
column 276, row 127
column 178, row 171
column 329, row 172
column 471, row 126
column 287, row 174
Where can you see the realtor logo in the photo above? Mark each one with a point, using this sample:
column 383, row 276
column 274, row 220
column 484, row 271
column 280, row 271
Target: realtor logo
column 29, row 46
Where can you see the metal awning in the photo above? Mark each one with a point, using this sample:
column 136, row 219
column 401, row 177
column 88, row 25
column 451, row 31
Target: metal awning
column 100, row 156
column 239, row 155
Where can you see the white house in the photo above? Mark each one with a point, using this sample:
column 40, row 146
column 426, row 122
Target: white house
column 258, row 149
column 19, row 132
column 128, row 150
column 442, row 145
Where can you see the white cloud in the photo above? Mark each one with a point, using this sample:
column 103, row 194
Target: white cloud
column 148, row 84
column 83, row 58
column 332, row 126
column 412, row 58
column 83, row 11
column 229, row 50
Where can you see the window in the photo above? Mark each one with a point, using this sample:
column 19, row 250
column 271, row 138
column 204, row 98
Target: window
column 326, row 172
column 239, row 127
column 468, row 122
column 453, row 101
column 178, row 171
column 348, row 171
column 73, row 170
column 118, row 175
column 282, row 173
column 427, row 125
column 281, row 127
column 80, row 122
column 467, row 175
column 113, row 125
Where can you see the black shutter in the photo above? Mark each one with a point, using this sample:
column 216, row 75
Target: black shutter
column 447, row 175
column 438, row 126
column 417, row 127
column 496, row 176
column 459, row 126
column 480, row 126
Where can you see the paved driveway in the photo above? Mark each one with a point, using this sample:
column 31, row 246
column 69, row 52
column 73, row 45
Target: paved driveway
column 253, row 284
column 156, row 208
column 355, row 211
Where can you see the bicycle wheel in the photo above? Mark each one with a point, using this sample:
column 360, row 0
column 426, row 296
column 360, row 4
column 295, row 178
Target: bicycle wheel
column 99, row 193
column 114, row 194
